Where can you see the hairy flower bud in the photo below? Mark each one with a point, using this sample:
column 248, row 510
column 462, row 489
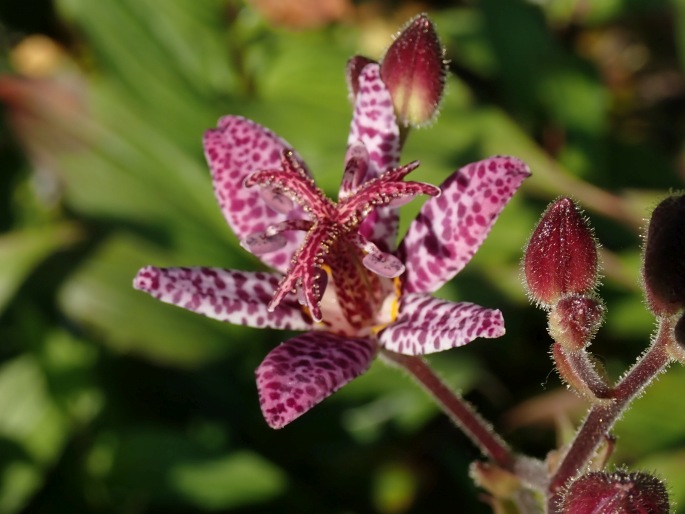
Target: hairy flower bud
column 414, row 71
column 664, row 257
column 618, row 493
column 574, row 320
column 561, row 255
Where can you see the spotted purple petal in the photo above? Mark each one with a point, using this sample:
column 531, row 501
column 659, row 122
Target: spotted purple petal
column 238, row 297
column 235, row 150
column 427, row 325
column 354, row 67
column 304, row 370
column 374, row 124
column 450, row 228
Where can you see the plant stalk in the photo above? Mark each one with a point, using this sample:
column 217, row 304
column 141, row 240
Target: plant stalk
column 602, row 417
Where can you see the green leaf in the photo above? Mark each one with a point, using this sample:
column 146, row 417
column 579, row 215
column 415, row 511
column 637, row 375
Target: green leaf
column 33, row 432
column 655, row 421
column 670, row 467
column 162, row 467
column 100, row 296
column 239, row 478
column 22, row 250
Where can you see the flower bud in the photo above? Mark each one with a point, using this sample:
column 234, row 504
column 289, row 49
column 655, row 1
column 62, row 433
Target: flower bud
column 619, row 493
column 561, row 255
column 574, row 320
column 663, row 270
column 414, row 71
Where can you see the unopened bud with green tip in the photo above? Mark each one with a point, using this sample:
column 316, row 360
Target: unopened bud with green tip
column 619, row 493
column 561, row 256
column 414, row 69
column 663, row 268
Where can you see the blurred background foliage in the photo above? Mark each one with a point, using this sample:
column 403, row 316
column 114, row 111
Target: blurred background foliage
column 112, row 402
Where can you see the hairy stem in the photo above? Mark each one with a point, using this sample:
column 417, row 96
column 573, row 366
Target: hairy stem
column 457, row 409
column 602, row 417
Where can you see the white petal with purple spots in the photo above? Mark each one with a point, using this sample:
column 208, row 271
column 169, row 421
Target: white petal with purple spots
column 375, row 125
column 450, row 228
column 238, row 297
column 235, row 150
column 304, row 370
column 427, row 325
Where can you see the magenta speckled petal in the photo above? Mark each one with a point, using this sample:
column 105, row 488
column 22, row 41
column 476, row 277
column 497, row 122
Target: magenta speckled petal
column 239, row 297
column 354, row 68
column 304, row 370
column 428, row 325
column 450, row 228
column 235, row 150
column 374, row 124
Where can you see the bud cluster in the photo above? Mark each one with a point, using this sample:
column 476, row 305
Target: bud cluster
column 561, row 273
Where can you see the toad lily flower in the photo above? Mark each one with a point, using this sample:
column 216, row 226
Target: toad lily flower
column 338, row 276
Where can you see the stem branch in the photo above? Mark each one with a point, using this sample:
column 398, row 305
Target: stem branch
column 602, row 417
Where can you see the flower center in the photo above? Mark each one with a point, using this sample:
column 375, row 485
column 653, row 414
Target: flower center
column 333, row 247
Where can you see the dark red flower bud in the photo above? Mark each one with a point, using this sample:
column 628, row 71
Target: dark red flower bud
column 355, row 65
column 414, row 71
column 618, row 493
column 574, row 320
column 664, row 257
column 561, row 255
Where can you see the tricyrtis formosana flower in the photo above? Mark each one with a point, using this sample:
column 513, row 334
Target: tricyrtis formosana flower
column 339, row 274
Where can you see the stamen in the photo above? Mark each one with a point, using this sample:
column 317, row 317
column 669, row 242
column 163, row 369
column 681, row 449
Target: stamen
column 356, row 168
column 399, row 201
column 318, row 286
column 261, row 243
column 272, row 238
column 305, row 273
column 299, row 189
column 381, row 263
column 276, row 199
column 290, row 163
column 297, row 224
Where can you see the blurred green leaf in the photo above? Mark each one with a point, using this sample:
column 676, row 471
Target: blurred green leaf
column 240, row 478
column 101, row 297
column 165, row 468
column 655, row 421
column 22, row 250
column 32, row 431
column 668, row 466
